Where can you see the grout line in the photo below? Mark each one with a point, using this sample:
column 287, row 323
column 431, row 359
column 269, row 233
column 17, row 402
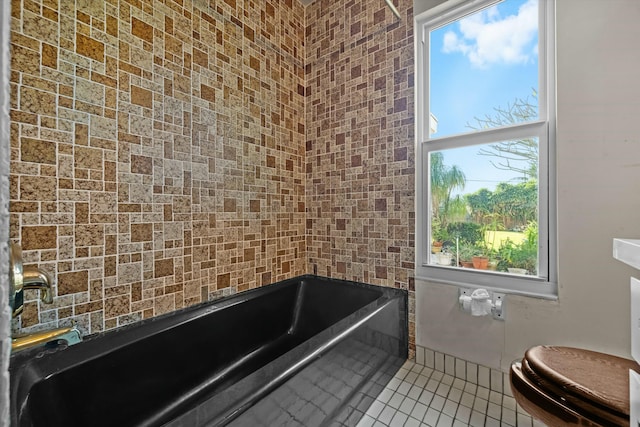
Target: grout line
column 441, row 390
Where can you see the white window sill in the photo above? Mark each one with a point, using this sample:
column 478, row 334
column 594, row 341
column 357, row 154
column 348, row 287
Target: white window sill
column 510, row 284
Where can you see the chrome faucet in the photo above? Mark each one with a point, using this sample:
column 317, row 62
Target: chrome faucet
column 31, row 277
column 26, row 277
column 34, row 278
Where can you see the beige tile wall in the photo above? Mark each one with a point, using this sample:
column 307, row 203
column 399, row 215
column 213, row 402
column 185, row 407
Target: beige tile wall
column 157, row 152
column 360, row 144
column 159, row 155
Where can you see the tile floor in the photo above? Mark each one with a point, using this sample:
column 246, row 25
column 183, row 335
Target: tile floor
column 421, row 396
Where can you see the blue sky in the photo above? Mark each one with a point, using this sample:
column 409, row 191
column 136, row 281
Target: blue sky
column 483, row 61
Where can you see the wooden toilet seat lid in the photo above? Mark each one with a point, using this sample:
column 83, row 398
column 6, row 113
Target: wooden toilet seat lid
column 597, row 378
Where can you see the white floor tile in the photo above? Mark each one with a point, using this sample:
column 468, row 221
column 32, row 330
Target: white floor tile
column 432, row 385
column 463, row 414
column 450, row 408
column 437, row 403
column 415, row 392
column 377, row 407
column 443, row 389
column 459, row 383
column 448, row 379
column 396, row 400
column 467, row 399
column 437, row 375
column 426, row 397
column 417, row 368
column 412, row 422
column 404, row 387
column 491, row 422
column 421, row 381
column 408, row 365
column 477, row 419
column 402, row 372
column 524, row 421
column 509, row 416
column 366, row 421
column 455, row 394
column 386, row 395
column 421, row 396
column 470, row 388
column 431, row 417
column 411, row 377
column 482, row 393
column 407, row 405
column 427, row 371
column 386, row 415
column 494, row 411
column 398, row 419
column 444, row 421
column 394, row 383
column 419, row 410
column 480, row 405
column 509, row 403
column 495, row 397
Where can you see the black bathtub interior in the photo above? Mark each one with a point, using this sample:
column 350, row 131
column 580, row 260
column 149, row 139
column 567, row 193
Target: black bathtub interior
column 218, row 363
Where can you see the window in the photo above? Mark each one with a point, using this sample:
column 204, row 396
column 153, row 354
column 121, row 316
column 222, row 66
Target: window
column 485, row 127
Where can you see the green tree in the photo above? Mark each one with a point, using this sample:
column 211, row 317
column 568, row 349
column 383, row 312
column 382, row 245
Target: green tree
column 444, row 180
column 516, row 204
column 513, row 205
column 480, row 204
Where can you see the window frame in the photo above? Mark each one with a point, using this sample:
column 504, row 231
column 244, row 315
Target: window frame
column 545, row 284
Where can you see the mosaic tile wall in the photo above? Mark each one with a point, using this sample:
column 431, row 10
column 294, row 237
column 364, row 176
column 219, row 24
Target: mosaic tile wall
column 157, row 152
column 360, row 155
column 159, row 159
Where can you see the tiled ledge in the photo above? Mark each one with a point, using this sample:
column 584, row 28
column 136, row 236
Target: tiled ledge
column 627, row 251
column 473, row 373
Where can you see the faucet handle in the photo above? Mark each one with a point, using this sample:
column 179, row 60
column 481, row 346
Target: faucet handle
column 34, row 278
column 15, row 278
column 26, row 277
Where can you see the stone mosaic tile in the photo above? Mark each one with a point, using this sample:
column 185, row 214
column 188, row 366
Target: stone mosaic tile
column 359, row 147
column 164, row 153
column 156, row 153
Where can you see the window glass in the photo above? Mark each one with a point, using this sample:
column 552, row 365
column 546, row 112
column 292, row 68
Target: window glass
column 478, row 211
column 485, row 105
column 484, row 69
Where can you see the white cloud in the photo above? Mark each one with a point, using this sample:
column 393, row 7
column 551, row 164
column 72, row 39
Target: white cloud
column 487, row 37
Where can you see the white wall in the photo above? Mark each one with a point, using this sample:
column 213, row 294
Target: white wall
column 420, row 6
column 598, row 170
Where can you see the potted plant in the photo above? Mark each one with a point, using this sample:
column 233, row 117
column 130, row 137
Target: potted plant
column 481, row 259
column 466, row 251
column 480, row 262
column 439, row 235
column 523, row 259
column 520, row 258
column 444, row 258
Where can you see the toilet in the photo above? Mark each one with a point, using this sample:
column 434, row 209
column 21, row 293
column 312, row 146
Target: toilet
column 564, row 386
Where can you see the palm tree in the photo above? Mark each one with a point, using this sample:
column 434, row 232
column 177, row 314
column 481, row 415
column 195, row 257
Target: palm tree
column 445, row 179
